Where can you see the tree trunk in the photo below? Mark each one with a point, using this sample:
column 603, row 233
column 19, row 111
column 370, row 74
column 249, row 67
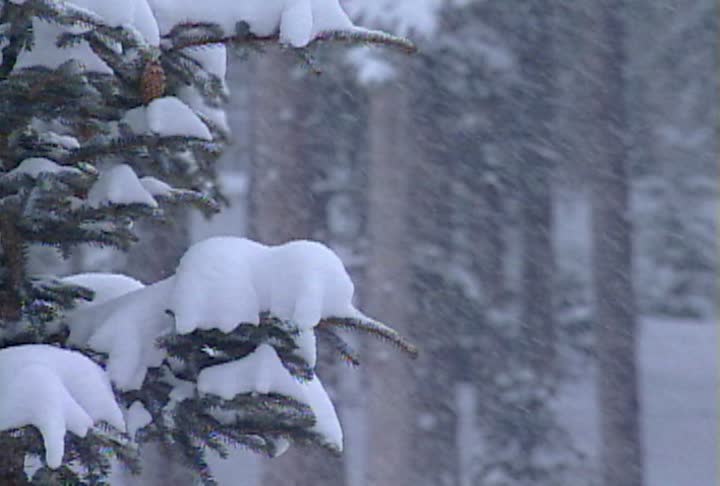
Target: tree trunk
column 387, row 293
column 487, row 233
column 615, row 319
column 536, row 58
column 283, row 208
column 434, row 154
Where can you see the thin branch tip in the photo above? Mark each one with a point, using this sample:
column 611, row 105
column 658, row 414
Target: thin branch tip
column 374, row 328
column 375, row 37
column 358, row 36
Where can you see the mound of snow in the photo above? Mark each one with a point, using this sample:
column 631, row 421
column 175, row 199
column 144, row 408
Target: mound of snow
column 155, row 186
column 224, row 281
column 137, row 417
column 55, row 390
column 262, row 372
column 214, row 285
column 119, row 185
column 297, row 21
column 126, row 328
column 34, row 166
column 169, row 116
column 220, row 283
column 106, row 286
column 44, row 52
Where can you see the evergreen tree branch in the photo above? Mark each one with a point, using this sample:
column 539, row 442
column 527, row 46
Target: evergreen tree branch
column 97, row 151
column 372, row 327
column 347, row 353
column 359, row 36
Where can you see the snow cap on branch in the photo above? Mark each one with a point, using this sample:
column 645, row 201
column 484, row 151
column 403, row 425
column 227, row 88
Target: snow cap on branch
column 55, row 390
column 34, row 166
column 119, row 185
column 262, row 372
column 220, row 283
column 298, row 22
column 126, row 328
column 133, row 14
column 224, row 281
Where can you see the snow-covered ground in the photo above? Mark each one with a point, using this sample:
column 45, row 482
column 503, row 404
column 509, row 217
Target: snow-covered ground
column 679, row 380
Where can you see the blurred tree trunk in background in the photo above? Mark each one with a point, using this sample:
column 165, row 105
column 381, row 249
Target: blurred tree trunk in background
column 536, row 96
column 158, row 252
column 615, row 316
column 387, row 292
column 338, row 137
column 487, row 227
column 281, row 205
column 283, row 208
column 433, row 153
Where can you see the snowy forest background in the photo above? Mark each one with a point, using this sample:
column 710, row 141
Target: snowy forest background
column 456, row 185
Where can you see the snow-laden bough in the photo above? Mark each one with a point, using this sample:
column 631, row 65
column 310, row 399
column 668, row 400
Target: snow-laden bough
column 55, row 390
column 220, row 284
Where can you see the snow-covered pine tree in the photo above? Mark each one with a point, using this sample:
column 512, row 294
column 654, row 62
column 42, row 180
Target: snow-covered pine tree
column 111, row 112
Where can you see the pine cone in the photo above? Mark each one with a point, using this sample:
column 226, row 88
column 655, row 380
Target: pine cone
column 152, row 84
